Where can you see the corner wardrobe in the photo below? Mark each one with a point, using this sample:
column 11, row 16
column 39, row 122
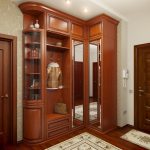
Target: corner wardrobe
column 69, row 73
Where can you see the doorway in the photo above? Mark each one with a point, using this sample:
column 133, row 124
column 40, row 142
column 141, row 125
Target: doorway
column 8, row 89
column 142, row 87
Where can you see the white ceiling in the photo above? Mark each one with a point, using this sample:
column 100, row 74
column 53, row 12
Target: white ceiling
column 120, row 9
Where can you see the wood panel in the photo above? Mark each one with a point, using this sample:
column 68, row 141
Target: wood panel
column 32, row 123
column 77, row 30
column 57, row 24
column 109, row 77
column 95, row 31
column 60, row 122
column 95, row 81
column 58, row 131
column 67, row 68
column 78, row 81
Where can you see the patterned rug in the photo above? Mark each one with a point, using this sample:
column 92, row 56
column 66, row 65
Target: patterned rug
column 84, row 141
column 137, row 137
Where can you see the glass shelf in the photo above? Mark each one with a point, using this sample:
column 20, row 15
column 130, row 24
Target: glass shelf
column 32, row 65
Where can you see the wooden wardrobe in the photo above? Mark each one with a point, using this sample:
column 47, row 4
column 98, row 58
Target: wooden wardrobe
column 49, row 44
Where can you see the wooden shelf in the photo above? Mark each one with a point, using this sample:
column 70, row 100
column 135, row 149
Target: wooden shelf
column 55, row 88
column 34, row 88
column 58, row 35
column 33, row 44
column 31, row 31
column 55, row 116
column 32, row 58
column 32, row 73
column 31, row 100
column 56, row 47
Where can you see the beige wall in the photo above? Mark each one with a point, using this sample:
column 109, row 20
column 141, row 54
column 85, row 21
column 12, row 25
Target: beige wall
column 138, row 33
column 133, row 32
column 121, row 64
column 11, row 23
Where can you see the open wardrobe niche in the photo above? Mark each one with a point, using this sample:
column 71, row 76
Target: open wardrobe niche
column 78, row 91
column 94, row 83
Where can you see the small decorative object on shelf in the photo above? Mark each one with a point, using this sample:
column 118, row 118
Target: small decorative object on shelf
column 35, row 84
column 59, row 44
column 32, row 25
column 28, row 54
column 37, row 24
column 35, row 53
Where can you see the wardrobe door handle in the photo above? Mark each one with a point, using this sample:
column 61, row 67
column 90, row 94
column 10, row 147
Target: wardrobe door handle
column 141, row 91
column 5, row 96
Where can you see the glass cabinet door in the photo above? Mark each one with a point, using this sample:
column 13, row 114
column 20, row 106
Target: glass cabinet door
column 32, row 65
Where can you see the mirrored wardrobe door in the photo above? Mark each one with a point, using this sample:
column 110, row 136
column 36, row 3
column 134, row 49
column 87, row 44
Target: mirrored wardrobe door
column 94, row 83
column 78, row 94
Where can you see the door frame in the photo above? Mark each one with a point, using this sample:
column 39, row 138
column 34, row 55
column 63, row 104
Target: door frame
column 136, row 47
column 13, row 93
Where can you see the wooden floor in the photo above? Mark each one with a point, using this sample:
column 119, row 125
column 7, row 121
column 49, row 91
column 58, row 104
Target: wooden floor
column 112, row 137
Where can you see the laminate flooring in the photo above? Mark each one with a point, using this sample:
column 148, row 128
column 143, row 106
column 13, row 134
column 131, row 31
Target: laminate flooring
column 112, row 137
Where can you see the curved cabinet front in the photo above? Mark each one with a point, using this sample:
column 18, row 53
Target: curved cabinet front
column 32, row 124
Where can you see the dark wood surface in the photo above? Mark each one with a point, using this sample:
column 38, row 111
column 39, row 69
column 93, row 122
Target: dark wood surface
column 95, row 81
column 5, row 66
column 95, row 30
column 109, row 76
column 105, row 29
column 112, row 137
column 8, row 83
column 58, row 24
column 77, row 30
column 33, row 108
column 142, row 87
column 78, row 82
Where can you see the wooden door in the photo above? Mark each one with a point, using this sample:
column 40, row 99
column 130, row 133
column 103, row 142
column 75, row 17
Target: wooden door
column 95, row 81
column 8, row 89
column 142, row 87
column 4, row 90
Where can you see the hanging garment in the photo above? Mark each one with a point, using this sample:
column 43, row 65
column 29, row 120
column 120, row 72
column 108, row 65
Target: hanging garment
column 54, row 74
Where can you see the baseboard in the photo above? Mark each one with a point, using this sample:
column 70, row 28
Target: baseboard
column 127, row 125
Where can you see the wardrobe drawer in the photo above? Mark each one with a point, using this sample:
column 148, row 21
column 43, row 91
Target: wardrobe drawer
column 58, row 123
column 58, row 132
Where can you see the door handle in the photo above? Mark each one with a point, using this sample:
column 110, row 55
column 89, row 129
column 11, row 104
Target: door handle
column 5, row 96
column 141, row 91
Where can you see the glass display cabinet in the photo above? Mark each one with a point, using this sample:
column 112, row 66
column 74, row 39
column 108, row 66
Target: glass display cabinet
column 32, row 64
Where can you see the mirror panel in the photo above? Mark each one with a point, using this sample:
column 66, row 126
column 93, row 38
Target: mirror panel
column 78, row 94
column 94, row 83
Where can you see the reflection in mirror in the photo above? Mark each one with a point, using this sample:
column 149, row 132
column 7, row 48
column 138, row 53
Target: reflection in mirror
column 77, row 83
column 94, row 83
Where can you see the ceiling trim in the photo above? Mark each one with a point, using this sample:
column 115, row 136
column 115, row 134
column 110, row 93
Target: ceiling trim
column 108, row 9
